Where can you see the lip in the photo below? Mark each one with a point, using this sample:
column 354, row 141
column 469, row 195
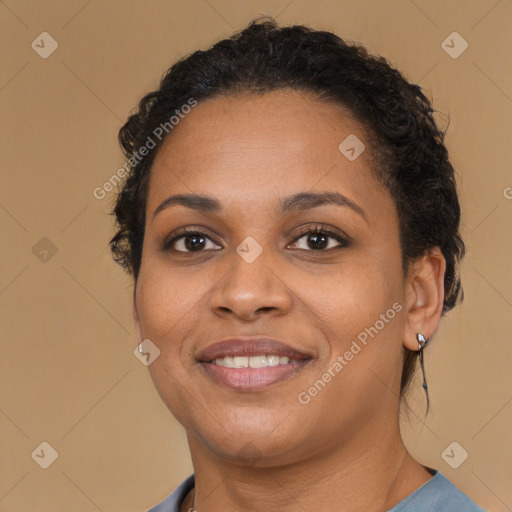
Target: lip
column 250, row 346
column 252, row 379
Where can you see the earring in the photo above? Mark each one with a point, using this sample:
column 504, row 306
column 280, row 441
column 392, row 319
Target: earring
column 422, row 341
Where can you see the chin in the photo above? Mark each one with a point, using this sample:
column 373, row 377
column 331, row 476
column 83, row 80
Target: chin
column 251, row 444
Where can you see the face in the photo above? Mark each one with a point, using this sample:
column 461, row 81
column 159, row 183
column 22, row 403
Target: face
column 293, row 241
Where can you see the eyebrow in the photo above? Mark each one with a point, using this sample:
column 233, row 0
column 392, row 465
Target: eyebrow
column 297, row 202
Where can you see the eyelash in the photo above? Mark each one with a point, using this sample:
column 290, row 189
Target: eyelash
column 315, row 230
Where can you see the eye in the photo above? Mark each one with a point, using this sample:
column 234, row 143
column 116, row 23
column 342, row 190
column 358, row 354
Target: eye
column 190, row 241
column 317, row 238
column 320, row 239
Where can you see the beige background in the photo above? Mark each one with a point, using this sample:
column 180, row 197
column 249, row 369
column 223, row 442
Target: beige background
column 68, row 374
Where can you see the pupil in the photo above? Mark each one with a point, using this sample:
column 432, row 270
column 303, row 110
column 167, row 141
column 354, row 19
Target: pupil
column 193, row 245
column 320, row 245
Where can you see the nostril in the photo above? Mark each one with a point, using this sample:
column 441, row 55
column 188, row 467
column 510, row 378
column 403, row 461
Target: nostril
column 266, row 308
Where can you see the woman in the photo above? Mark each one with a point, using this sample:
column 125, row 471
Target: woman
column 294, row 242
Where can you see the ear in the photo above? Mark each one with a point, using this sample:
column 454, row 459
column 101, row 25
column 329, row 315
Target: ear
column 135, row 318
column 424, row 296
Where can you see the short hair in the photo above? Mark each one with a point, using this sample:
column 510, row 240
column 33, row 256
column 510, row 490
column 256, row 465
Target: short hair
column 408, row 148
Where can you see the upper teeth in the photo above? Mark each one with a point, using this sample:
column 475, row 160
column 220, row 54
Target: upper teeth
column 253, row 361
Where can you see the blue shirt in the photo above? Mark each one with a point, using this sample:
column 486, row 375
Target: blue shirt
column 438, row 494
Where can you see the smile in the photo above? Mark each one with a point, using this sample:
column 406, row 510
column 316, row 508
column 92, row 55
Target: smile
column 252, row 363
column 245, row 378
column 259, row 361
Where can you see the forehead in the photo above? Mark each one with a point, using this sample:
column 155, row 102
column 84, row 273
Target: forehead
column 256, row 148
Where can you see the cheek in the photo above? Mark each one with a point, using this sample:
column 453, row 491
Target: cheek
column 361, row 311
column 168, row 307
column 165, row 297
column 354, row 296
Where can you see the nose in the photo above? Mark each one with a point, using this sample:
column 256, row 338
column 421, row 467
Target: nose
column 250, row 290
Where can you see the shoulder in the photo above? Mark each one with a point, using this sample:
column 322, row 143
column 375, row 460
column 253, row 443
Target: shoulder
column 173, row 502
column 437, row 494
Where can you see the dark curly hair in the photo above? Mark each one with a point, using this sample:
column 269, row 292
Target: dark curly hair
column 408, row 148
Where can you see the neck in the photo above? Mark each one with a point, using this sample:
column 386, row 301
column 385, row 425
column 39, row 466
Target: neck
column 372, row 470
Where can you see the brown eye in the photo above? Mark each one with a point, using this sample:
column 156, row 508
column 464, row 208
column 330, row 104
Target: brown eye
column 191, row 241
column 320, row 240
